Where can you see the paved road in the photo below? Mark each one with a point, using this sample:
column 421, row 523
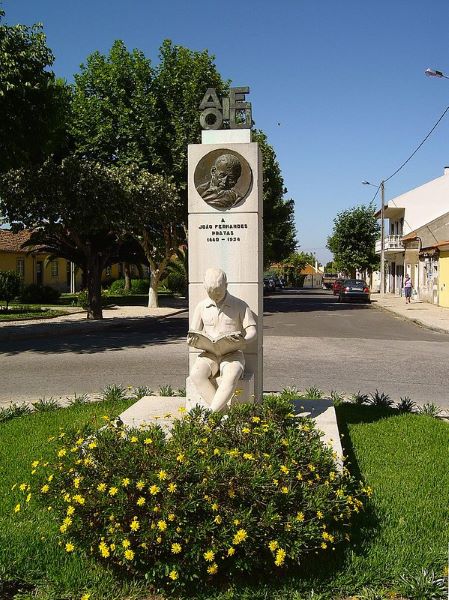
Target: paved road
column 309, row 340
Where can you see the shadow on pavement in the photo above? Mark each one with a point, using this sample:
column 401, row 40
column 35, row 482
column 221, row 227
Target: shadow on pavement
column 135, row 333
column 308, row 300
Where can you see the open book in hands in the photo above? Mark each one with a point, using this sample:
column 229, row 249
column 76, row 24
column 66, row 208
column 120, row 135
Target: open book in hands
column 223, row 344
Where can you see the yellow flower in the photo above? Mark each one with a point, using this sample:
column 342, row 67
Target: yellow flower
column 236, row 522
column 134, row 439
column 284, row 489
column 28, row 498
column 299, row 476
column 173, row 575
column 154, row 489
column 126, row 482
column 35, row 464
column 140, row 501
column 104, row 550
column 135, row 525
column 85, row 597
column 62, row 452
column 324, row 545
column 171, row 487
column 176, row 548
column 162, row 475
column 140, row 485
column 147, row 441
column 273, row 545
column 129, row 554
column 214, row 506
column 79, row 441
column 162, row 525
column 159, row 539
column 69, row 547
column 45, row 488
column 209, row 555
column 284, row 469
column 319, row 514
column 280, row 557
column 126, row 543
column 248, row 456
column 240, row 536
column 234, row 452
column 255, row 419
column 300, row 516
column 216, row 452
column 218, row 520
column 311, row 467
column 23, row 487
column 113, row 491
column 212, row 569
column 246, row 430
column 63, row 528
column 76, row 482
column 79, row 499
column 180, row 458
column 231, row 493
column 92, row 445
column 231, row 551
column 171, row 517
column 17, row 508
column 101, row 487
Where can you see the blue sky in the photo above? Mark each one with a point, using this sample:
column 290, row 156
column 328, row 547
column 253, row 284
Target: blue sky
column 338, row 87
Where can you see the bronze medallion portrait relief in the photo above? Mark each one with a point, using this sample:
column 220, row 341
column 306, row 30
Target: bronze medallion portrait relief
column 223, row 179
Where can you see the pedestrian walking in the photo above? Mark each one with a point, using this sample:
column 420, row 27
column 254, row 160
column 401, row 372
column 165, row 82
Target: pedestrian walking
column 407, row 289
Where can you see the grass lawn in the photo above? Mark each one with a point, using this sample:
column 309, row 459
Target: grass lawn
column 403, row 457
column 22, row 313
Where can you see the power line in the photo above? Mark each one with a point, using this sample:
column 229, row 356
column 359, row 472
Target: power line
column 416, row 150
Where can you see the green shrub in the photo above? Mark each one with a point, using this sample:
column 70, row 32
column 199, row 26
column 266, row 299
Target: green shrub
column 10, row 286
column 83, row 299
column 138, row 286
column 39, row 294
column 220, row 496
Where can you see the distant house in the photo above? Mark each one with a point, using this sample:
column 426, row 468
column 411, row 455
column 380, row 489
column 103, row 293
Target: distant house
column 36, row 267
column 313, row 276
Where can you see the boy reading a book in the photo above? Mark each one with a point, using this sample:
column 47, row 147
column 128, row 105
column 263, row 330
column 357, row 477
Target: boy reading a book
column 224, row 316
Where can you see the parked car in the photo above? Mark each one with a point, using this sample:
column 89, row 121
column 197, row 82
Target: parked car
column 269, row 285
column 329, row 280
column 354, row 289
column 336, row 286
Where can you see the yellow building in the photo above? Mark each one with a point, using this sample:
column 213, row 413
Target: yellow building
column 443, row 279
column 35, row 267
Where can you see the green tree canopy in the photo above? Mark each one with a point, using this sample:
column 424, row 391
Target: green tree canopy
column 278, row 213
column 33, row 104
column 353, row 239
column 76, row 210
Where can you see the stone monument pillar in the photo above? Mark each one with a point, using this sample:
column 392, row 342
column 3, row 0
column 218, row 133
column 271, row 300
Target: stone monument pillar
column 225, row 223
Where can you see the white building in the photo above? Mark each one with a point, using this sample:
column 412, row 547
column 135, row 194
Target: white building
column 406, row 214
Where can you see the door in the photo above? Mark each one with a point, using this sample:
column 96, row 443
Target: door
column 416, row 279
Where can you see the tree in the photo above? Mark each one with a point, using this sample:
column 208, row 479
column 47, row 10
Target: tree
column 10, row 286
column 154, row 220
column 76, row 211
column 292, row 266
column 278, row 213
column 353, row 239
column 33, row 104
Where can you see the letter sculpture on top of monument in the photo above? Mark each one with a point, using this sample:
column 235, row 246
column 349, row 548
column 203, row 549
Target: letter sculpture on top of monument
column 225, row 257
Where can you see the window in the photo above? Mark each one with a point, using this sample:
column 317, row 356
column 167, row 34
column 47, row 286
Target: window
column 54, row 268
column 20, row 267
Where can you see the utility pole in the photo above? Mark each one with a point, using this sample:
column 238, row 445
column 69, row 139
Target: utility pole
column 382, row 239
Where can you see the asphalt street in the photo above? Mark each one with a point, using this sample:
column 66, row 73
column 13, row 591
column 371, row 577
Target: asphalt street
column 309, row 340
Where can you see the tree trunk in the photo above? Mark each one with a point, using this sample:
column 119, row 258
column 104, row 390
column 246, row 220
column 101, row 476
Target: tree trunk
column 127, row 274
column 153, row 300
column 93, row 280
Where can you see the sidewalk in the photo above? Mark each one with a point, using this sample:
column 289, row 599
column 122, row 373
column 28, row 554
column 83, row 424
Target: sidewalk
column 76, row 321
column 422, row 313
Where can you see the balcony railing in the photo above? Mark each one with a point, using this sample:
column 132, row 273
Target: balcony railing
column 391, row 243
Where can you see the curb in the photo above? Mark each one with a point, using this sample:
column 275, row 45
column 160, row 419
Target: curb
column 410, row 319
column 78, row 327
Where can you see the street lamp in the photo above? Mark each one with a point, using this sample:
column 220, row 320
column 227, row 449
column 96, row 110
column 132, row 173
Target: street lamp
column 382, row 233
column 435, row 73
